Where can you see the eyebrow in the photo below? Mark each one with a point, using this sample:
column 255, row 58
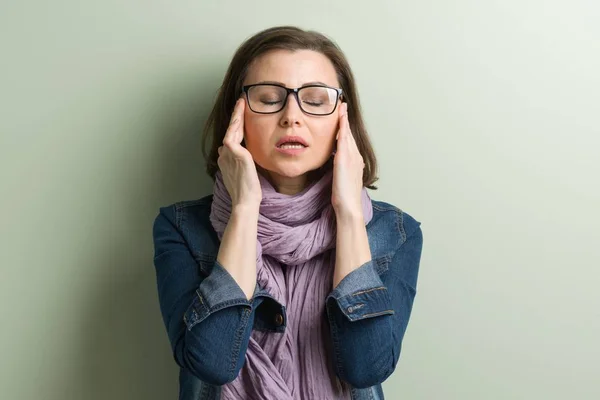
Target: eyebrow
column 318, row 83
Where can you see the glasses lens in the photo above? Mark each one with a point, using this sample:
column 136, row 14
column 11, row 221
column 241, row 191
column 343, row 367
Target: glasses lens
column 266, row 98
column 317, row 99
column 313, row 99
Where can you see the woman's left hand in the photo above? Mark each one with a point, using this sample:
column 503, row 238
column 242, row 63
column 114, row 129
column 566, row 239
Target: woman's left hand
column 348, row 166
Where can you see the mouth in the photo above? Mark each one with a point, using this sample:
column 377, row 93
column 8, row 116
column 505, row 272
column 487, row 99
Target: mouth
column 291, row 145
column 291, row 142
column 290, row 149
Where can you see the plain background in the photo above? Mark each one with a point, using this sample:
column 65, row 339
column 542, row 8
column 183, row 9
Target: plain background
column 485, row 119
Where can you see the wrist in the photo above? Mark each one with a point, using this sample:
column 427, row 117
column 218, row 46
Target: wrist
column 349, row 216
column 245, row 211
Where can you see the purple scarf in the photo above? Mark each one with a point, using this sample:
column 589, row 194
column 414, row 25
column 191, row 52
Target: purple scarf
column 294, row 264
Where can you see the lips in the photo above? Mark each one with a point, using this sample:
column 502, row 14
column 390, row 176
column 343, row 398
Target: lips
column 291, row 140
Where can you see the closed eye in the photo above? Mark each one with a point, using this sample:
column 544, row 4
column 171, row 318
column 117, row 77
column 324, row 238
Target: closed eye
column 270, row 103
column 314, row 104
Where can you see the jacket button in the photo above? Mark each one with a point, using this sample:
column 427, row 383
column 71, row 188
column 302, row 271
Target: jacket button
column 278, row 319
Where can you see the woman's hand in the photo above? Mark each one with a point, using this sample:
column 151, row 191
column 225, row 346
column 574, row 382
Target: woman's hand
column 348, row 166
column 236, row 163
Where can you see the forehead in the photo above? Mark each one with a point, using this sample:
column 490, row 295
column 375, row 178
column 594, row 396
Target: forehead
column 292, row 68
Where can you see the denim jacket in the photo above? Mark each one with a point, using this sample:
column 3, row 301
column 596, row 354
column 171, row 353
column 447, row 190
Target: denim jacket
column 209, row 320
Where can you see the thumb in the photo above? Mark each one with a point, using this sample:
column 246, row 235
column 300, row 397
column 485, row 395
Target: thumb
column 240, row 128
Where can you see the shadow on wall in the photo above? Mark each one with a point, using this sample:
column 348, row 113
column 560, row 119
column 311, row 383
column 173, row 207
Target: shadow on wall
column 125, row 346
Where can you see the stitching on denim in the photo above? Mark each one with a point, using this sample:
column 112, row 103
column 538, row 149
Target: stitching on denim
column 382, row 263
column 229, row 303
column 197, row 310
column 178, row 215
column 380, row 207
column 238, row 338
column 204, row 257
column 378, row 313
column 169, row 312
column 334, row 337
column 192, row 309
column 400, row 222
column 368, row 290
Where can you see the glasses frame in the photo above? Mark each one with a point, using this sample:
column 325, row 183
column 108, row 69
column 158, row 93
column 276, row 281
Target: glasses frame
column 245, row 90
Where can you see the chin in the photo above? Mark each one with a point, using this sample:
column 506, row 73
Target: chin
column 289, row 170
column 293, row 169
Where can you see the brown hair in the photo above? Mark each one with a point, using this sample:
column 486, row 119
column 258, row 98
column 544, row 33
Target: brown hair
column 285, row 38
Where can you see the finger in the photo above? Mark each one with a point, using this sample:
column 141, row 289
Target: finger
column 233, row 122
column 351, row 138
column 235, row 114
column 240, row 124
column 350, row 141
column 345, row 134
column 346, row 123
column 343, row 111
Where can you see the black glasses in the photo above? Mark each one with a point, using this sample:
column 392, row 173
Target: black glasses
column 268, row 98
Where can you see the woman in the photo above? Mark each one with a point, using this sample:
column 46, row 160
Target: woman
column 288, row 282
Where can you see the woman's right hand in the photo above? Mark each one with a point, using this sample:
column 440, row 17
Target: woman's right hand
column 236, row 163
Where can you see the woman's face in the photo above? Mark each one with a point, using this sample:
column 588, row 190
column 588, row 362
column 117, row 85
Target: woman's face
column 263, row 131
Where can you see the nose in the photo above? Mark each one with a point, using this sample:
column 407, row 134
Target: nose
column 292, row 114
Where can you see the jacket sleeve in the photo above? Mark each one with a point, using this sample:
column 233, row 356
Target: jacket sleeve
column 368, row 317
column 208, row 319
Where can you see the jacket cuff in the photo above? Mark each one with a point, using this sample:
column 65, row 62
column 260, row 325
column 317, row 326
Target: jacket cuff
column 361, row 294
column 217, row 291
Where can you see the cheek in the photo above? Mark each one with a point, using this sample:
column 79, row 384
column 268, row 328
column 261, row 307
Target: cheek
column 256, row 132
column 250, row 126
column 325, row 131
